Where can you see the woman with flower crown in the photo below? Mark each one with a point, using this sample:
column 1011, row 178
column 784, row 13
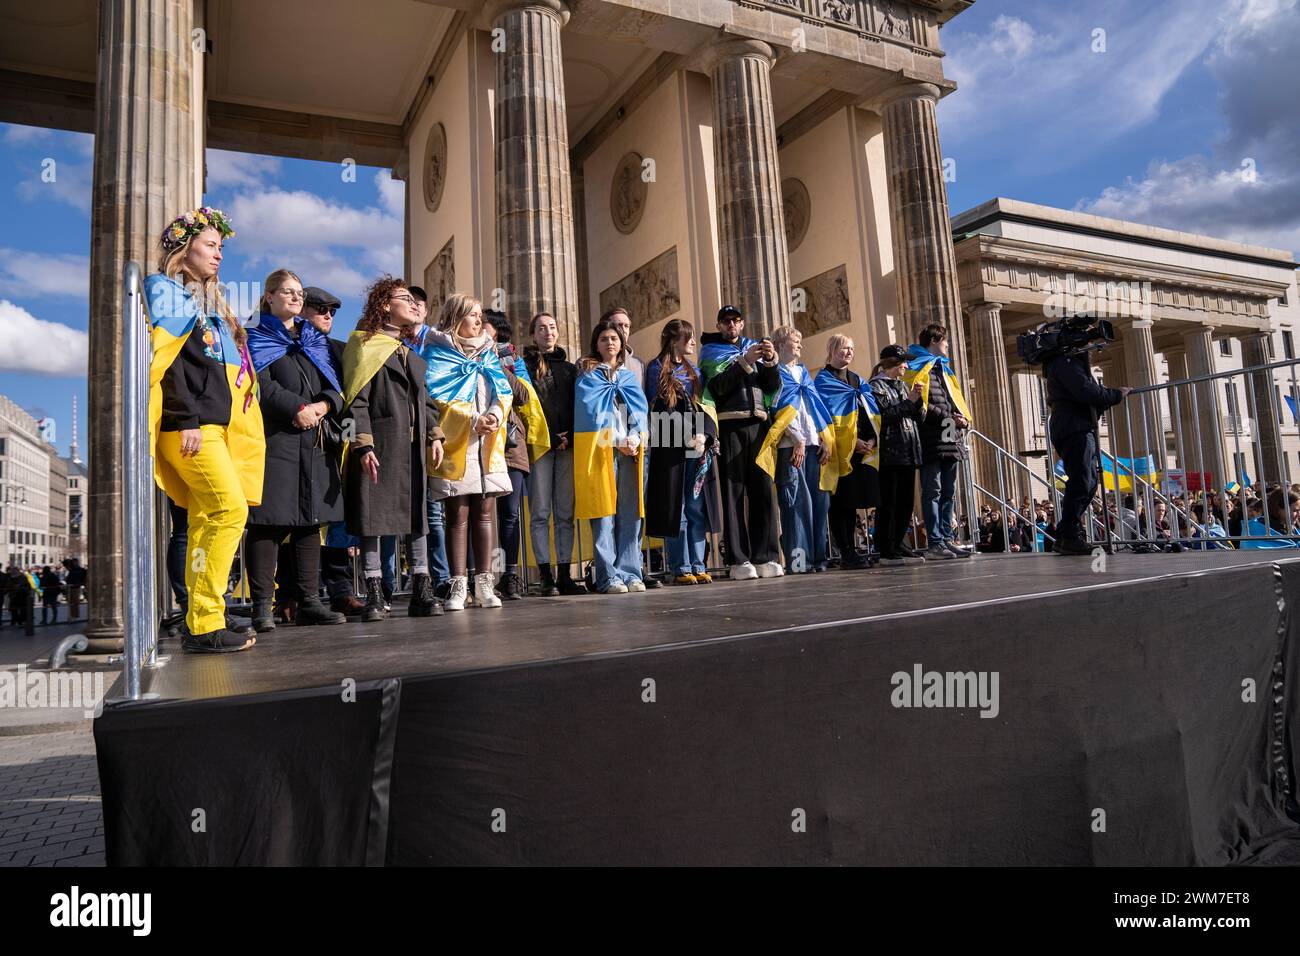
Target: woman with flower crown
column 205, row 421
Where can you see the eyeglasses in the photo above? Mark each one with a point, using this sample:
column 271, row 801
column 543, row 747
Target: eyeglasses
column 409, row 299
column 290, row 293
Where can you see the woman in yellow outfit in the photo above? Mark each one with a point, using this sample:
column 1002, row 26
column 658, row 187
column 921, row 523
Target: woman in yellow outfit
column 205, row 420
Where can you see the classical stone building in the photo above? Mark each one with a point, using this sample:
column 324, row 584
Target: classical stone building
column 25, row 521
column 1211, row 306
column 780, row 155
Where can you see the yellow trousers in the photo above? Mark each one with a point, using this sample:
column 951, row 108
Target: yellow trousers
column 218, row 511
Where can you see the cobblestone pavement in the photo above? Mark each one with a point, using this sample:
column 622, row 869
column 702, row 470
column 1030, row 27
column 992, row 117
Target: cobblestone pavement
column 49, row 800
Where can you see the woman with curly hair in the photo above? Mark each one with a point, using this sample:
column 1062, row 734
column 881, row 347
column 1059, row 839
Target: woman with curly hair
column 205, row 420
column 394, row 441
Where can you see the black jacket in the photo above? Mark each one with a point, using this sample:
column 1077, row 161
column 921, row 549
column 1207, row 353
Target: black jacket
column 555, row 390
column 195, row 390
column 1075, row 397
column 900, row 417
column 302, row 485
column 738, row 390
column 938, row 413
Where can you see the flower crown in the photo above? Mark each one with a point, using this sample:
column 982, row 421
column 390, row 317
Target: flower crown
column 185, row 227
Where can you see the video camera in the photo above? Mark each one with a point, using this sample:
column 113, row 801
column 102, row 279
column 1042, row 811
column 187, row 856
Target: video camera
column 1068, row 336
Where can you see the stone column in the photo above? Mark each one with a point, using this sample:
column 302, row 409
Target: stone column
column 1206, row 403
column 751, row 218
column 1267, row 430
column 991, row 400
column 145, row 175
column 536, row 265
column 1140, row 366
column 924, row 264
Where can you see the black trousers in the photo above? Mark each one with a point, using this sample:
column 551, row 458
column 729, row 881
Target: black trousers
column 262, row 548
column 336, row 573
column 748, row 495
column 894, row 513
column 508, row 517
column 1078, row 454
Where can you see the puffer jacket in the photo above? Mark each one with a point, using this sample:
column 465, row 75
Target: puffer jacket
column 900, row 417
column 478, row 478
column 935, row 425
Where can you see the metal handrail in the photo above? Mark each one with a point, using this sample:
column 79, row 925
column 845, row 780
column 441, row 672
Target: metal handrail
column 139, row 608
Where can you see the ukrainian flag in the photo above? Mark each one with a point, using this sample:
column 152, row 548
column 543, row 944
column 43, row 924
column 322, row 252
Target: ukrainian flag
column 715, row 358
column 597, row 427
column 1125, row 469
column 844, row 403
column 797, row 389
column 919, row 365
column 363, row 356
column 452, row 380
column 173, row 312
column 536, row 434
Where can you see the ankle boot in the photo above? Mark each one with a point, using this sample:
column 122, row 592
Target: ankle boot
column 312, row 611
column 567, row 585
column 456, row 593
column 374, row 609
column 548, row 581
column 263, row 616
column 423, row 601
column 510, row 589
column 484, row 595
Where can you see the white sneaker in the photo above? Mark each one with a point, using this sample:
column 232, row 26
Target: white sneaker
column 770, row 569
column 938, row 551
column 456, row 596
column 636, row 585
column 618, row 587
column 743, row 572
column 485, row 594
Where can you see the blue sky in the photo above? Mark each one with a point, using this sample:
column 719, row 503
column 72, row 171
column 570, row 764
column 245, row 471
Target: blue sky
column 1156, row 128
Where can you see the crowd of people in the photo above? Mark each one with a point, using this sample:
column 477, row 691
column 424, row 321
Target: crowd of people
column 44, row 587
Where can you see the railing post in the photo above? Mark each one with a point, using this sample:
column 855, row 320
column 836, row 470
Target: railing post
column 141, row 627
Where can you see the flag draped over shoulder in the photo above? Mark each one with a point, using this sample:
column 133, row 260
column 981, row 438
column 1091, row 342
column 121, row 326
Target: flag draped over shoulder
column 919, row 363
column 536, row 435
column 173, row 312
column 363, row 356
column 452, row 379
column 716, row 357
column 269, row 341
column 845, row 403
column 797, row 391
column 599, row 425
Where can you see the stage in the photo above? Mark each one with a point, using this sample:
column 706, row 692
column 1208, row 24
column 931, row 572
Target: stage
column 1141, row 713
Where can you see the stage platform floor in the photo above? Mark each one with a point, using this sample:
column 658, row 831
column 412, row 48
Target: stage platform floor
column 540, row 630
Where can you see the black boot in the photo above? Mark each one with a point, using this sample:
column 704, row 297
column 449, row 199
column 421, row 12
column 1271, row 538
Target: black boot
column 510, row 588
column 374, row 609
column 548, row 581
column 312, row 611
column 566, row 583
column 423, row 601
column 263, row 616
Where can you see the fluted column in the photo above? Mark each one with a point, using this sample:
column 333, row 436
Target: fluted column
column 1207, row 405
column 1148, row 437
column 990, row 387
column 536, row 265
column 925, row 267
column 751, row 218
column 1266, row 427
column 145, row 175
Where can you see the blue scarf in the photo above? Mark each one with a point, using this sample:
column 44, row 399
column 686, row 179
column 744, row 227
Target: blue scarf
column 269, row 341
column 918, row 357
column 452, row 376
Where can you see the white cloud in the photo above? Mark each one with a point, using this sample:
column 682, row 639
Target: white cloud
column 58, row 181
column 24, row 274
column 392, row 193
column 62, row 349
column 239, row 170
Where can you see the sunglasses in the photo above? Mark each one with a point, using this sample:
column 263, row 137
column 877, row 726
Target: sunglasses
column 325, row 309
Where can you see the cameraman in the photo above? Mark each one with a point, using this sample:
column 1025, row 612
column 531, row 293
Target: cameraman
column 1076, row 400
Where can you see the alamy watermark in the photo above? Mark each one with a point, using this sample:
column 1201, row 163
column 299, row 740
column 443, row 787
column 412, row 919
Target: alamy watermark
column 952, row 689
column 45, row 690
column 1093, row 299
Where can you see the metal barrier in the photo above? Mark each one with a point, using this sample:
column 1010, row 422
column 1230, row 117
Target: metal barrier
column 139, row 570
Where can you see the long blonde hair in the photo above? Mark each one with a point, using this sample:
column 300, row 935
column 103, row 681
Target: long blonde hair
column 454, row 309
column 208, row 292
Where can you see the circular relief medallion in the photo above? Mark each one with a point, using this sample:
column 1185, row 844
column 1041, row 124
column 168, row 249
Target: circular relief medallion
column 798, row 210
column 627, row 193
column 435, row 167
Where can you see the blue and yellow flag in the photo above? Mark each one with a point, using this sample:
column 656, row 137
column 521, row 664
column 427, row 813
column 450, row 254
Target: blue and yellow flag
column 173, row 313
column 598, row 426
column 363, row 356
column 536, row 435
column 1125, row 469
column 797, row 390
column 452, row 379
column 844, row 402
column 919, row 363
column 716, row 357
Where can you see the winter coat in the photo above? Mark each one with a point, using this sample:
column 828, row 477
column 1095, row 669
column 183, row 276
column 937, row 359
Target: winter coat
column 738, row 389
column 935, row 426
column 555, row 390
column 482, row 476
column 666, row 485
column 302, row 484
column 900, row 417
column 860, row 488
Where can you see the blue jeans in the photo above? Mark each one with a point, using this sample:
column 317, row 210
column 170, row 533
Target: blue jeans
column 550, row 493
column 686, row 550
column 438, row 570
column 795, row 489
column 938, row 484
column 617, row 538
column 388, row 561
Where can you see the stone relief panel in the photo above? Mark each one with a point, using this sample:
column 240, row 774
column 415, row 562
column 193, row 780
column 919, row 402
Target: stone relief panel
column 650, row 294
column 435, row 167
column 892, row 18
column 798, row 211
column 838, row 10
column 825, row 302
column 627, row 193
column 440, row 276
